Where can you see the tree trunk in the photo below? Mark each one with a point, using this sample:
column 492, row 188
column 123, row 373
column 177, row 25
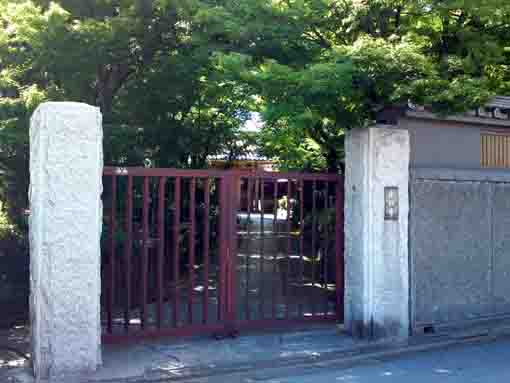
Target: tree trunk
column 106, row 104
column 332, row 161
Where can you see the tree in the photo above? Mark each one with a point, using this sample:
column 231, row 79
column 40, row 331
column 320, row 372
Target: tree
column 146, row 64
column 345, row 61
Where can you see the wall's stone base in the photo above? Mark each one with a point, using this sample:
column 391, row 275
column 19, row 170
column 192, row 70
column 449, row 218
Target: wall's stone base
column 376, row 258
column 65, row 226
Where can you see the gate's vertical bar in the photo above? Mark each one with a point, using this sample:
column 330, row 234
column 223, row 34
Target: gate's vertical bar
column 161, row 248
column 275, row 257
column 261, row 280
column 256, row 189
column 191, row 245
column 145, row 250
column 235, row 199
column 177, row 226
column 224, row 247
column 207, row 202
column 111, row 292
column 247, row 262
column 313, row 254
column 325, row 252
column 128, row 250
column 288, row 265
column 301, row 242
column 339, row 246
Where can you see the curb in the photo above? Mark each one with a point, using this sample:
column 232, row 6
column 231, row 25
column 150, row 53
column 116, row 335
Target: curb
column 273, row 369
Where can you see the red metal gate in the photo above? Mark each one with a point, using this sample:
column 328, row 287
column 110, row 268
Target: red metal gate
column 203, row 251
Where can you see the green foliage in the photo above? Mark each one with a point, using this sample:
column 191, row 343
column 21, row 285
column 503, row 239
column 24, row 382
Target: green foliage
column 6, row 228
column 343, row 61
column 175, row 79
column 147, row 64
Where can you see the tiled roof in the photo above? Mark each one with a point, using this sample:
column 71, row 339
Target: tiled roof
column 250, row 154
column 500, row 102
column 496, row 109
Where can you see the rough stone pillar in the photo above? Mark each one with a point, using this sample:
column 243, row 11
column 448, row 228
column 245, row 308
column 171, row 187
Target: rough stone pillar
column 376, row 259
column 66, row 163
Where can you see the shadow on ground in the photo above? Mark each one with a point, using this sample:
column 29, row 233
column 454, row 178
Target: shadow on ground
column 178, row 358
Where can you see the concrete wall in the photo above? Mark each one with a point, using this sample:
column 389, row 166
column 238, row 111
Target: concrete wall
column 443, row 144
column 459, row 223
column 459, row 246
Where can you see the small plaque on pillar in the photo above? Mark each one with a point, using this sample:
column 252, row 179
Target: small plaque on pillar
column 391, row 203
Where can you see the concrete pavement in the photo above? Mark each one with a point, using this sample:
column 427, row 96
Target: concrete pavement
column 314, row 355
column 182, row 358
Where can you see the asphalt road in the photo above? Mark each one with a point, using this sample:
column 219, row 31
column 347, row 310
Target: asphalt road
column 481, row 363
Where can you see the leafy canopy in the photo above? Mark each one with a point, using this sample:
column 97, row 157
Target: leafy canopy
column 175, row 79
column 343, row 61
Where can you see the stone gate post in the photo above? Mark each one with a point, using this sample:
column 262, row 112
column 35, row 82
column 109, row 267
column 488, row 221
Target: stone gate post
column 66, row 163
column 376, row 232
